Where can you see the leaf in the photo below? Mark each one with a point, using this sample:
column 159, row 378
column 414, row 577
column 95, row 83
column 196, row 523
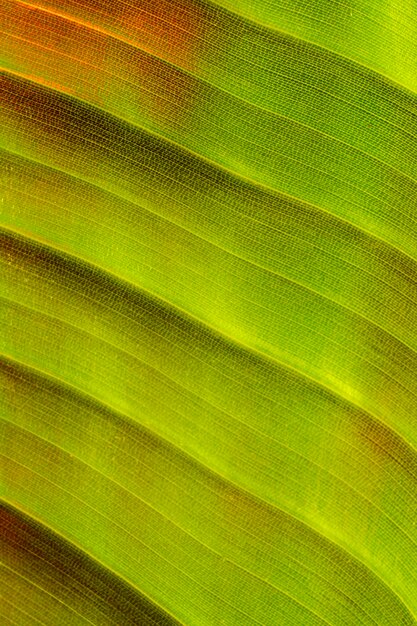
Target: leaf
column 208, row 304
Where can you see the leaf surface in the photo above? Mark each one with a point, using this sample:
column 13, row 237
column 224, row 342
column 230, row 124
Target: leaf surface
column 208, row 309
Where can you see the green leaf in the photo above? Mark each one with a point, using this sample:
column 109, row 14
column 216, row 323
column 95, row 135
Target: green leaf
column 208, row 310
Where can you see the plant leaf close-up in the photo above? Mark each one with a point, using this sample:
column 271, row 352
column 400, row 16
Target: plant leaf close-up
column 208, row 304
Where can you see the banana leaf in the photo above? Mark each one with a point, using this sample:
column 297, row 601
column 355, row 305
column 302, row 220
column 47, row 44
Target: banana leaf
column 208, row 288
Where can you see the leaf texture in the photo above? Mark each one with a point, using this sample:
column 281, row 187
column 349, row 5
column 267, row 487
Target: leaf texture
column 208, row 310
